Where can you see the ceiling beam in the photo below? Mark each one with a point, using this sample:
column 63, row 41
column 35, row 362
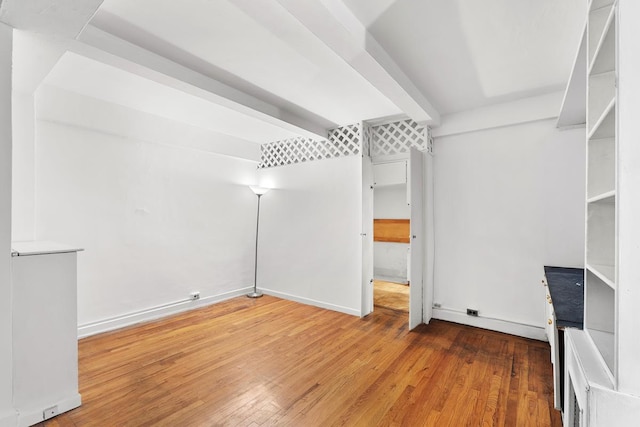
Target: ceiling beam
column 111, row 50
column 337, row 27
column 67, row 21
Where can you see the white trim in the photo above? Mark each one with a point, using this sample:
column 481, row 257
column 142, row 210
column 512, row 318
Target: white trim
column 508, row 327
column 8, row 419
column 154, row 313
column 308, row 301
column 35, row 415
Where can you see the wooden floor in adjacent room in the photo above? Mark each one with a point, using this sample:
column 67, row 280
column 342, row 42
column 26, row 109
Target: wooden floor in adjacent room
column 391, row 295
column 271, row 362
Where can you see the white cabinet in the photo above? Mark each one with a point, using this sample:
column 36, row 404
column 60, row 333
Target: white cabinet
column 393, row 173
column 45, row 338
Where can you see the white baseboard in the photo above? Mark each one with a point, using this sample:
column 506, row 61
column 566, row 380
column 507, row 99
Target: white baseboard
column 33, row 416
column 513, row 328
column 393, row 279
column 313, row 302
column 9, row 419
column 154, row 313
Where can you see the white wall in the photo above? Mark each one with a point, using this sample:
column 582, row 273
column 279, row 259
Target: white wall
column 310, row 245
column 23, row 198
column 390, row 259
column 390, row 202
column 7, row 414
column 157, row 221
column 507, row 202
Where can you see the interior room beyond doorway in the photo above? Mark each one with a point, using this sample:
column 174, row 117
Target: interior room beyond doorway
column 394, row 296
column 391, row 235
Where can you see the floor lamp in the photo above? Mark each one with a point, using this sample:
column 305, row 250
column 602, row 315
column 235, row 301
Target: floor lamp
column 259, row 191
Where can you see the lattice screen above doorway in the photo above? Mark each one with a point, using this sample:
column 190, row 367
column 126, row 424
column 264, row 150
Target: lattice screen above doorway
column 398, row 137
column 343, row 141
column 390, row 139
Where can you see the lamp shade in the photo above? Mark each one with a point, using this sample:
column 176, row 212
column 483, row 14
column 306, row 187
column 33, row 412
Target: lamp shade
column 259, row 190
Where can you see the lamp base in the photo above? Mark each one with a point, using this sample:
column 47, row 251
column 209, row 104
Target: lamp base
column 256, row 294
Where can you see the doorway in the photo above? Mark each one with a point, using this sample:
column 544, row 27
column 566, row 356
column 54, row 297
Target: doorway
column 408, row 176
column 391, row 235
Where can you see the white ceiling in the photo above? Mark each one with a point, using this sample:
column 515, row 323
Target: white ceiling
column 290, row 66
column 372, row 57
column 464, row 54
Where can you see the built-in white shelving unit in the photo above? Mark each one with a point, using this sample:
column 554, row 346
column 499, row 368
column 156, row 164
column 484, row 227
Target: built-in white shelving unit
column 602, row 381
column 600, row 280
column 603, row 372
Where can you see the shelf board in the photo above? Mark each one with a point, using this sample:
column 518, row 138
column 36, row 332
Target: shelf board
column 591, row 363
column 605, row 57
column 601, row 90
column 605, row 343
column 573, row 111
column 605, row 36
column 598, row 23
column 607, row 197
column 598, row 4
column 606, row 273
column 605, row 125
column 601, row 167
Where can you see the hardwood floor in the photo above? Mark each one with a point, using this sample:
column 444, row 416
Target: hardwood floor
column 269, row 361
column 391, row 295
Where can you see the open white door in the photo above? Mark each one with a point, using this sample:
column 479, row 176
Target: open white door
column 367, row 235
column 428, row 244
column 415, row 188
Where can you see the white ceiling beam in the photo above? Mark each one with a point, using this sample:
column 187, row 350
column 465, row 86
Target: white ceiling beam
column 67, row 20
column 64, row 18
column 111, row 50
column 336, row 26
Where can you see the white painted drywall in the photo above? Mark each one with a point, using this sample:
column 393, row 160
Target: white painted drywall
column 390, row 259
column 390, row 202
column 7, row 414
column 156, row 221
column 62, row 106
column 310, row 245
column 23, row 195
column 507, row 201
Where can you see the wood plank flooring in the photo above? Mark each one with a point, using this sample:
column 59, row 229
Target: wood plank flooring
column 269, row 362
column 391, row 295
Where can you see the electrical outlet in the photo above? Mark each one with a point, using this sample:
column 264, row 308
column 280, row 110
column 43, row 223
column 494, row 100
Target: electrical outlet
column 472, row 312
column 194, row 295
column 50, row 412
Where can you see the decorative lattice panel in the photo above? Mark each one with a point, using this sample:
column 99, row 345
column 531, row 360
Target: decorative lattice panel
column 367, row 139
column 398, row 137
column 346, row 138
column 343, row 141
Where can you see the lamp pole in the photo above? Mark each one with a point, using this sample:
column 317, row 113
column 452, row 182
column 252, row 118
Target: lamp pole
column 259, row 191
